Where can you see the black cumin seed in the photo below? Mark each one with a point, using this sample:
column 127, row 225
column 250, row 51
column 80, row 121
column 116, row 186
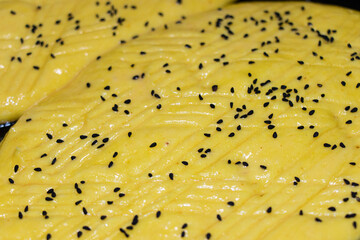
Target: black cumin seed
column 135, row 220
column 87, row 228
column 231, row 203
column 333, row 209
column 115, row 108
column 84, row 211
column 124, row 232
column 158, row 214
column 318, row 220
column 350, row 215
column 83, row 137
column 269, row 210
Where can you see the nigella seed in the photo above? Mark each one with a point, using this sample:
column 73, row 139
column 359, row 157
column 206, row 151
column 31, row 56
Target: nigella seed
column 269, row 210
column 231, row 203
column 111, row 163
column 85, row 212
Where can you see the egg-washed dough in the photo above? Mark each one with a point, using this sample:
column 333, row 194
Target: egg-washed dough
column 63, row 36
column 241, row 123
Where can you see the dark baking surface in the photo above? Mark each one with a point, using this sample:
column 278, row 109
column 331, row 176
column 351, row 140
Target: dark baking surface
column 349, row 4
column 4, row 128
column 344, row 3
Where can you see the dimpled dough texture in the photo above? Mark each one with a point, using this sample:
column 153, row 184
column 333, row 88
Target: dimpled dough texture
column 240, row 123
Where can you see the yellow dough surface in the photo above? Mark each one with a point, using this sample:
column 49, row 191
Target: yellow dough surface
column 44, row 44
column 240, row 123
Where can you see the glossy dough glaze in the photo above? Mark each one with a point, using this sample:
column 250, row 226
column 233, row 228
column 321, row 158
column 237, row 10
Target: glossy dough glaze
column 44, row 44
column 241, row 123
